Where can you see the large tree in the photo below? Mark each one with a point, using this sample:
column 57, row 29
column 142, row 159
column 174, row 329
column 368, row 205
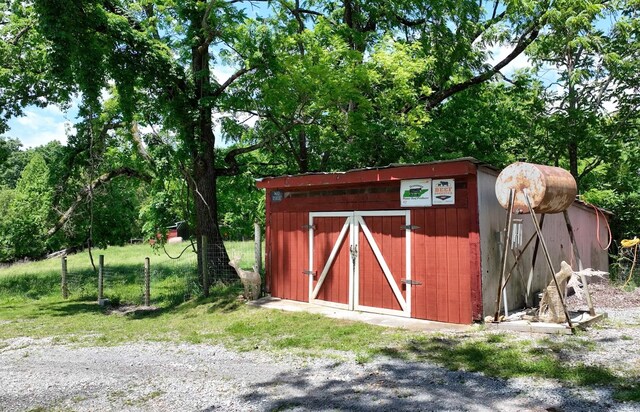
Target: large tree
column 319, row 75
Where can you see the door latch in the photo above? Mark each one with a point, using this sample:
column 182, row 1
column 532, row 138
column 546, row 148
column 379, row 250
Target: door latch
column 354, row 254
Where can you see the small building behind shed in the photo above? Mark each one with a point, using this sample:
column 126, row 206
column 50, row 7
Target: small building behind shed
column 420, row 241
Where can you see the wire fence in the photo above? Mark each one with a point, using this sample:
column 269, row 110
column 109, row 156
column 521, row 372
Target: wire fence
column 173, row 281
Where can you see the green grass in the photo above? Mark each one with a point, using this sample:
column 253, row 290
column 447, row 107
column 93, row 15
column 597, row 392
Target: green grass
column 172, row 279
column 30, row 305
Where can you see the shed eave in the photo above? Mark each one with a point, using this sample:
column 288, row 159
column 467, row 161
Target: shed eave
column 456, row 167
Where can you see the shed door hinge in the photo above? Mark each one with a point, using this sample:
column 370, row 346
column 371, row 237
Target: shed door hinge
column 409, row 227
column 309, row 227
column 311, row 273
column 410, row 282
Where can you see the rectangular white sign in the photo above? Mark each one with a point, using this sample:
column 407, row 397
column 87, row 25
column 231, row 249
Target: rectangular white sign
column 415, row 193
column 444, row 191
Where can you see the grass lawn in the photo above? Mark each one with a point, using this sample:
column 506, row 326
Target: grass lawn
column 31, row 305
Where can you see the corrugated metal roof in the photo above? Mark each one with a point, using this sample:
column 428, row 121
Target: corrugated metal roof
column 390, row 166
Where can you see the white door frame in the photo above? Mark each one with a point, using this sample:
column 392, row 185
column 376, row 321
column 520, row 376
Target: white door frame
column 313, row 292
column 355, row 223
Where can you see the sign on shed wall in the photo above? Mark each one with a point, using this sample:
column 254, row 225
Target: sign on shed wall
column 444, row 191
column 415, row 193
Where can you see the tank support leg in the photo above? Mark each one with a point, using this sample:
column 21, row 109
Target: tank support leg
column 505, row 250
column 547, row 256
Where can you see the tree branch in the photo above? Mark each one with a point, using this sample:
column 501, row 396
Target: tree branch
column 232, row 161
column 100, row 181
column 436, row 98
column 228, row 82
column 21, row 33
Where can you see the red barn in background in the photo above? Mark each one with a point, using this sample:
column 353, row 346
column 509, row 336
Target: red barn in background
column 420, row 241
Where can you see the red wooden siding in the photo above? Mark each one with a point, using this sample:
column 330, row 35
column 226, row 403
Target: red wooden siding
column 374, row 288
column 475, row 272
column 288, row 256
column 441, row 262
column 445, row 250
column 335, row 287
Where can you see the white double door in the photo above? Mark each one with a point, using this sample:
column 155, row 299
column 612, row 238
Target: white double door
column 361, row 260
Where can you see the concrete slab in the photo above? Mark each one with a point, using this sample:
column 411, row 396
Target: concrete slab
column 581, row 321
column 371, row 318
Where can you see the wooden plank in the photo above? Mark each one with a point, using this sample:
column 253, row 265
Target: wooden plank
column 442, row 270
column 301, row 250
column 283, row 275
column 419, row 264
column 453, row 272
column 267, row 241
column 464, row 269
column 430, row 251
column 475, row 258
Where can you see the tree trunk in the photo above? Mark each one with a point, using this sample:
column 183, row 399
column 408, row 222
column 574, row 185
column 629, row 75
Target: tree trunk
column 204, row 173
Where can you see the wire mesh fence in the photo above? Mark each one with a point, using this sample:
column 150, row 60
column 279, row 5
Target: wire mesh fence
column 160, row 280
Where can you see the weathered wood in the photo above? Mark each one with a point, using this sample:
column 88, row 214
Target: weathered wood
column 100, row 279
column 576, row 253
column 147, row 281
column 257, row 234
column 505, row 248
column 547, row 256
column 64, row 285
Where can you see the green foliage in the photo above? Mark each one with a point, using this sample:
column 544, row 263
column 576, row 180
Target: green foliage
column 29, row 213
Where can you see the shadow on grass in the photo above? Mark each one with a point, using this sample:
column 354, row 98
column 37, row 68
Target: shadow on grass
column 222, row 298
column 512, row 359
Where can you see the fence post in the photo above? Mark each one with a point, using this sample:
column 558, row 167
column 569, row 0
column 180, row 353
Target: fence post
column 100, row 279
column 257, row 246
column 65, row 287
column 147, row 281
column 205, row 266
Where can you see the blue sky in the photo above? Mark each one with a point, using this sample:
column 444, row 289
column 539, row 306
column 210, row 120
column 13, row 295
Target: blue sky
column 39, row 126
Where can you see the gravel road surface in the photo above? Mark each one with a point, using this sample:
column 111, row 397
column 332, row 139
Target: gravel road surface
column 152, row 376
column 42, row 375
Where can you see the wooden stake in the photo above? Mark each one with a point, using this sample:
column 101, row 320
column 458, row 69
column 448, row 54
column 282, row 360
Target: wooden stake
column 505, row 248
column 547, row 256
column 100, row 278
column 65, row 286
column 147, row 281
column 257, row 234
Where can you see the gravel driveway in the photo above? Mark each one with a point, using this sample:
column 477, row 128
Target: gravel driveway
column 42, row 375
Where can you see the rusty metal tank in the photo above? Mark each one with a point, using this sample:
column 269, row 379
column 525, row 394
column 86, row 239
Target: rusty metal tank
column 550, row 189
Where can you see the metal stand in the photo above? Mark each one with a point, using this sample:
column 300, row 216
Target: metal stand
column 505, row 275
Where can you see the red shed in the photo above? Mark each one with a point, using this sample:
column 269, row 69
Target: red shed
column 418, row 241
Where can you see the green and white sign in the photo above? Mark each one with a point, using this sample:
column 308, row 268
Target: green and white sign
column 415, row 193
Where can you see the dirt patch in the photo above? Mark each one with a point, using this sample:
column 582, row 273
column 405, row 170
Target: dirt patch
column 131, row 310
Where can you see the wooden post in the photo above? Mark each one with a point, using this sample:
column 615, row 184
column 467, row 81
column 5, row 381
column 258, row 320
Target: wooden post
column 505, row 250
column 534, row 258
column 100, row 279
column 576, row 253
column 258, row 246
column 547, row 256
column 65, row 286
column 147, row 281
column 205, row 266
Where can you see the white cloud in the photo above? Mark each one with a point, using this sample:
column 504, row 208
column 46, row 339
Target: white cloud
column 40, row 126
column 500, row 52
